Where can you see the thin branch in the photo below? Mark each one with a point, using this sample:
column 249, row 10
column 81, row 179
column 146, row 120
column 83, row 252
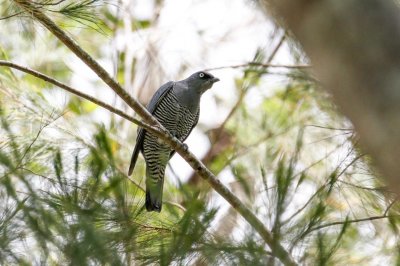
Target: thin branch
column 10, row 16
column 321, row 188
column 277, row 249
column 355, row 159
column 390, row 206
column 89, row 61
column 245, row 89
column 277, row 47
column 175, row 204
column 382, row 189
column 168, row 202
column 330, row 128
column 89, row 98
column 49, row 178
column 134, row 183
column 47, row 4
column 366, row 219
column 249, row 64
column 35, row 139
column 76, row 92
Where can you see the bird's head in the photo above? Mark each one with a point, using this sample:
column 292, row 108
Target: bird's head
column 201, row 81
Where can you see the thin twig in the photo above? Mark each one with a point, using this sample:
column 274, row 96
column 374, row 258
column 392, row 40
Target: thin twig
column 329, row 128
column 249, row 64
column 89, row 98
column 366, row 219
column 382, row 189
column 49, row 178
column 168, row 202
column 175, row 204
column 277, row 249
column 245, row 89
column 321, row 188
column 35, row 139
column 390, row 206
column 76, row 92
column 47, row 4
column 10, row 16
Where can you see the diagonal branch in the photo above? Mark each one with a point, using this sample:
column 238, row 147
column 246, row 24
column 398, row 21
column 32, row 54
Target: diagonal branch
column 277, row 249
column 91, row 99
column 366, row 219
column 78, row 93
column 11, row 16
column 266, row 65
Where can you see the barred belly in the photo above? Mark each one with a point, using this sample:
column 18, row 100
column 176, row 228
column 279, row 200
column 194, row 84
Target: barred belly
column 179, row 121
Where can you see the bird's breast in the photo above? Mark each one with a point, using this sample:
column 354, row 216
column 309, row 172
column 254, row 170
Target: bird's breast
column 187, row 98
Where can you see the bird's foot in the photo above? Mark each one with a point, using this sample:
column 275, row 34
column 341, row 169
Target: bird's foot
column 185, row 147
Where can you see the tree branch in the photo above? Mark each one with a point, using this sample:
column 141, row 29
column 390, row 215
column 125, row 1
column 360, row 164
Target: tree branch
column 277, row 249
column 267, row 65
column 366, row 219
column 11, row 16
column 78, row 93
column 327, row 182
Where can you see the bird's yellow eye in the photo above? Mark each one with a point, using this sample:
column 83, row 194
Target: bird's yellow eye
column 201, row 75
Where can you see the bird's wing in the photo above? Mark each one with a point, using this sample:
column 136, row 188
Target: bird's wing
column 159, row 95
column 151, row 107
column 185, row 137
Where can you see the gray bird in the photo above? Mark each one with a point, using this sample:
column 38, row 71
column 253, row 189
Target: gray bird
column 176, row 105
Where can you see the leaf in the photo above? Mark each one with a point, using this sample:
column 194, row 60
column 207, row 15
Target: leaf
column 241, row 175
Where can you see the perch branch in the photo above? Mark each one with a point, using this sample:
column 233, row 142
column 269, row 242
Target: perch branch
column 76, row 92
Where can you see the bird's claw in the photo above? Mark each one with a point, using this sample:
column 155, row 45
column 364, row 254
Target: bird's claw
column 185, row 147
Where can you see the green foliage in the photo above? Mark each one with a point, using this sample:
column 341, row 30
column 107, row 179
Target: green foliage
column 91, row 213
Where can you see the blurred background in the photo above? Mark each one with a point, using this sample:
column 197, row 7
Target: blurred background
column 266, row 130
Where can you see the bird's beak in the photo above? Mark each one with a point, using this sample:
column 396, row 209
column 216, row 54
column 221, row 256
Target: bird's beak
column 215, row 80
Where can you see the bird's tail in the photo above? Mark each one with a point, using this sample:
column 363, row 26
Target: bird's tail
column 154, row 189
column 133, row 159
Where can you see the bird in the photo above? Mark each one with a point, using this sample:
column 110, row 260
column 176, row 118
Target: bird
column 176, row 105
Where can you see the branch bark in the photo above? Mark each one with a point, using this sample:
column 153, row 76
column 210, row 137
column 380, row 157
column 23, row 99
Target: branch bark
column 267, row 65
column 277, row 249
column 78, row 93
column 366, row 219
column 93, row 100
column 353, row 46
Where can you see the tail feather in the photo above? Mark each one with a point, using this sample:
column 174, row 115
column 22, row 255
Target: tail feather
column 138, row 147
column 153, row 203
column 133, row 160
column 154, row 190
